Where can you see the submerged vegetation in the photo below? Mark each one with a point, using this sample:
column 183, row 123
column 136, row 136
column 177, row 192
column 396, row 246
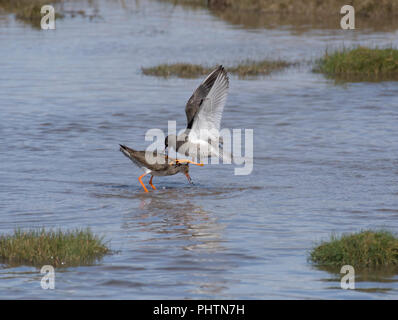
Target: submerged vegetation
column 360, row 64
column 56, row 248
column 247, row 68
column 363, row 250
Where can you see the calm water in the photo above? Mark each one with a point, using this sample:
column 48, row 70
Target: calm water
column 326, row 157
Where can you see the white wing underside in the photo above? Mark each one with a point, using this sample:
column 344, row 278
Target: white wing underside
column 207, row 122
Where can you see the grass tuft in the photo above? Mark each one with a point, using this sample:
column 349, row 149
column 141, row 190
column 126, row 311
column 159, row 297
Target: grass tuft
column 251, row 68
column 366, row 249
column 246, row 68
column 181, row 70
column 360, row 64
column 55, row 247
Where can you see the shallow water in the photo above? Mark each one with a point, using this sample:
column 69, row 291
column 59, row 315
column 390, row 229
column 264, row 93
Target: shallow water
column 326, row 157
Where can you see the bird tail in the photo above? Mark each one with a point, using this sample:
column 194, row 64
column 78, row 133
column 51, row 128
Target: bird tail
column 126, row 150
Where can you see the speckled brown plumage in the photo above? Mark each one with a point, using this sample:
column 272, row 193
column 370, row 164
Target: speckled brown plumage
column 155, row 164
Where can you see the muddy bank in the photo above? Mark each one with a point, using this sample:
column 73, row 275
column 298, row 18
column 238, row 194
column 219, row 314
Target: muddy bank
column 301, row 14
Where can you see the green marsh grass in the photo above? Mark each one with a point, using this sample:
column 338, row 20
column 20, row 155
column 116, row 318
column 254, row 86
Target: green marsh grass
column 244, row 69
column 360, row 64
column 55, row 247
column 363, row 250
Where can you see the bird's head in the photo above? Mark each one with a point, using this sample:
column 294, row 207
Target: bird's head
column 170, row 142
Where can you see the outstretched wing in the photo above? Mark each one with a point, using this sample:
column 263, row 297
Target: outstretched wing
column 208, row 117
column 195, row 102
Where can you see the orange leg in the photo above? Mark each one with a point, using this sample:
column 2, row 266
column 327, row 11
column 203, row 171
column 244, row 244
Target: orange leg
column 150, row 182
column 189, row 178
column 140, row 180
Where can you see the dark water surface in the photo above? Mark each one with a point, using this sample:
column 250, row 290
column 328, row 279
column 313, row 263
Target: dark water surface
column 326, row 157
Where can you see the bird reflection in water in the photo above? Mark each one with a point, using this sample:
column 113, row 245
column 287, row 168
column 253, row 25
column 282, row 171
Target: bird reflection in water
column 170, row 227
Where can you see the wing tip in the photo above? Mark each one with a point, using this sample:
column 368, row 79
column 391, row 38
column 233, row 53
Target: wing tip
column 223, row 73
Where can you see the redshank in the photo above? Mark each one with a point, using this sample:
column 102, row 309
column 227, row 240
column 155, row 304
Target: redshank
column 168, row 167
column 204, row 112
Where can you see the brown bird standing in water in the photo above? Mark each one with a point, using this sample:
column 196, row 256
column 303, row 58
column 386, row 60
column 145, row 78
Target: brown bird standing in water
column 168, row 168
